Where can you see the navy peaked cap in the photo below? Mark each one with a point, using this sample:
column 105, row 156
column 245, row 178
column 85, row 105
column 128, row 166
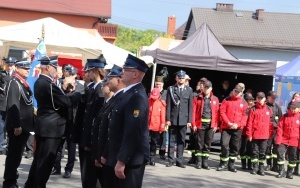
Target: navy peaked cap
column 181, row 74
column 115, row 71
column 135, row 63
column 23, row 63
column 10, row 60
column 49, row 60
column 95, row 63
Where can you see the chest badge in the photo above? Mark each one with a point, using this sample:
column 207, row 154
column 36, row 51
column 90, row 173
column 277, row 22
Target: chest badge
column 136, row 113
column 241, row 105
column 297, row 121
column 214, row 103
column 267, row 113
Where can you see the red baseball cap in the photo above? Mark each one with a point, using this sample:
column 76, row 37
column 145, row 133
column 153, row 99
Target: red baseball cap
column 155, row 93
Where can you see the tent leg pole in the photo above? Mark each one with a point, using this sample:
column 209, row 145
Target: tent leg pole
column 273, row 86
column 153, row 75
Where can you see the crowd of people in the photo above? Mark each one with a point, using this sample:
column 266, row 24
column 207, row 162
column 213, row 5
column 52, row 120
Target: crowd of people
column 118, row 127
column 98, row 116
column 253, row 128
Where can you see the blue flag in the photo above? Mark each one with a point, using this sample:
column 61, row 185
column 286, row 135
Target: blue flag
column 35, row 67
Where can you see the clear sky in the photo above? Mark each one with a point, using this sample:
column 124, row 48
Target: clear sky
column 153, row 14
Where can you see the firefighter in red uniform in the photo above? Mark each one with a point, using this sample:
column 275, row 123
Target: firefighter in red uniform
column 246, row 148
column 258, row 131
column 287, row 139
column 205, row 123
column 192, row 135
column 233, row 114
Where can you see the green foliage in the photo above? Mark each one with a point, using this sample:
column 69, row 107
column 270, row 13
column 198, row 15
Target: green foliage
column 132, row 39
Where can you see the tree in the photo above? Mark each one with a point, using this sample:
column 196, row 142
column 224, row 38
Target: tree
column 132, row 39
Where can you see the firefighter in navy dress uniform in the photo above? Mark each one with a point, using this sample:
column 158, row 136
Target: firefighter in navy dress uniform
column 128, row 135
column 19, row 120
column 5, row 76
column 100, row 124
column 179, row 116
column 97, row 73
column 50, row 125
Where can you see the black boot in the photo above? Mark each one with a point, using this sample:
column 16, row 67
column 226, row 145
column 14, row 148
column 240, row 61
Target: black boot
column 205, row 162
column 289, row 173
column 255, row 168
column 275, row 165
column 55, row 171
column 231, row 166
column 222, row 166
column 152, row 163
column 250, row 164
column 281, row 171
column 269, row 164
column 192, row 159
column 261, row 169
column 296, row 171
column 198, row 162
column 244, row 163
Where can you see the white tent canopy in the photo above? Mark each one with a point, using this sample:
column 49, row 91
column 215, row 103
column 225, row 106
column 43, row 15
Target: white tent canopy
column 60, row 37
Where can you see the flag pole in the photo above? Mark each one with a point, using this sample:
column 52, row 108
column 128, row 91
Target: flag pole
column 43, row 32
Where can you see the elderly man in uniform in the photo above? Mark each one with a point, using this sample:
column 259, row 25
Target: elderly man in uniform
column 5, row 76
column 53, row 105
column 179, row 117
column 128, row 135
column 19, row 120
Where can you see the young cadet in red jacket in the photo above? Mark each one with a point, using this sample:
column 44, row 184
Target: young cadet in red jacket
column 157, row 120
column 287, row 139
column 246, row 148
column 205, row 123
column 258, row 131
column 234, row 117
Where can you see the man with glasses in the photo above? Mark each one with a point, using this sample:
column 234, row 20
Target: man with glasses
column 179, row 117
column 271, row 154
column 205, row 123
column 19, row 120
column 128, row 135
column 50, row 126
column 234, row 117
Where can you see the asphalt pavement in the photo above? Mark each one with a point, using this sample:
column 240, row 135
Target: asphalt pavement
column 173, row 177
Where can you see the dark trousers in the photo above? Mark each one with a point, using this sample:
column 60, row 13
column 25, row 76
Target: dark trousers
column 89, row 172
column 271, row 147
column 203, row 139
column 259, row 148
column 30, row 144
column 291, row 151
column 134, row 178
column 246, row 148
column 176, row 136
column 71, row 155
column 14, row 156
column 44, row 158
column 107, row 176
column 193, row 140
column 162, row 143
column 230, row 143
column 154, row 138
